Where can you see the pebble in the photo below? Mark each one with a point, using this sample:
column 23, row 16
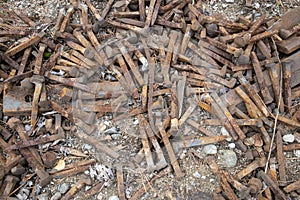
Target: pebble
column 100, row 196
column 113, row 198
column 63, row 188
column 229, row 1
column 231, row 145
column 228, row 158
column 56, row 196
column 297, row 153
column 225, row 132
column 196, row 175
column 210, row 149
column 116, row 136
column 288, row 138
column 27, row 128
column 23, row 194
column 256, row 5
column 43, row 197
column 297, row 136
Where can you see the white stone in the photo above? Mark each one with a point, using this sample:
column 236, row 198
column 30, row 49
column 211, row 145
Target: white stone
column 210, row 149
column 63, row 188
column 100, row 196
column 196, row 175
column 56, row 196
column 288, row 138
column 231, row 145
column 229, row 1
column 256, row 5
column 27, row 128
column 225, row 132
column 113, row 198
column 297, row 153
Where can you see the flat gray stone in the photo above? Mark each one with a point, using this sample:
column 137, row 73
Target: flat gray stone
column 210, row 149
column 63, row 188
column 227, row 158
column 43, row 196
column 56, row 196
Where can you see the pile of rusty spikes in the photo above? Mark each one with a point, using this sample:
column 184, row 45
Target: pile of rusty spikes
column 167, row 59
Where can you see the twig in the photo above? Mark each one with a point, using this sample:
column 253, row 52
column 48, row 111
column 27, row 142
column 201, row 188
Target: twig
column 277, row 113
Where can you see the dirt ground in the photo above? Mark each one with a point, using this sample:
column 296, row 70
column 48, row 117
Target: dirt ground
column 199, row 182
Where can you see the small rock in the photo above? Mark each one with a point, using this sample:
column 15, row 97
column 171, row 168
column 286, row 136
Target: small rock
column 228, row 158
column 100, row 196
column 224, row 5
column 27, row 128
column 136, row 122
column 288, row 138
column 297, row 153
column 229, row 1
column 113, row 198
column 256, row 5
column 102, row 127
column 23, row 194
column 63, row 188
column 210, row 149
column 196, row 175
column 56, row 196
column 87, row 147
column 297, row 137
column 225, row 132
column 43, row 196
column 116, row 136
column 18, row 170
column 231, row 145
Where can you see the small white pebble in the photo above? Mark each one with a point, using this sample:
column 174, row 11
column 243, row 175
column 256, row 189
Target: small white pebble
column 231, row 145
column 27, row 128
column 196, row 175
column 225, row 132
column 256, row 5
column 297, row 153
column 288, row 138
column 100, row 196
column 210, row 149
column 113, row 198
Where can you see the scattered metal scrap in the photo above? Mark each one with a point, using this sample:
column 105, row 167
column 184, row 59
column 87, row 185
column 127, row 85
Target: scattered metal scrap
column 167, row 62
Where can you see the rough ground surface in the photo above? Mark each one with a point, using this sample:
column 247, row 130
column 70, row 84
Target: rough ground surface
column 199, row 181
